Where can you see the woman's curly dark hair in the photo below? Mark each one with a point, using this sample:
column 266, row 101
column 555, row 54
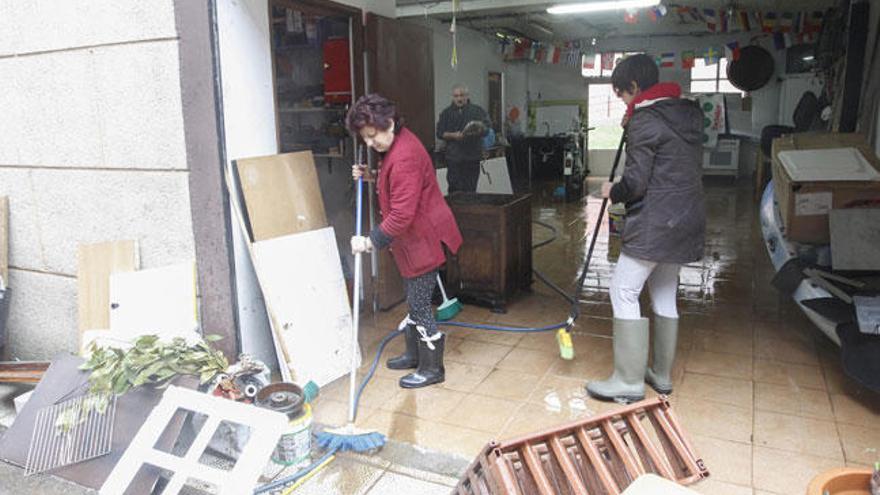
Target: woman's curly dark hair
column 372, row 110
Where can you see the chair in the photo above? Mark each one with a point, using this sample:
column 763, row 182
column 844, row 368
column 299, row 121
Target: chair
column 806, row 118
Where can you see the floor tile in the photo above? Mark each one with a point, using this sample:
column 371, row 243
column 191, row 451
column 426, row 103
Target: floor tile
column 530, row 360
column 786, row 473
column 797, row 434
column 795, row 375
column 793, row 400
column 720, row 364
column 507, row 384
column 479, row 353
column 532, row 418
column 464, row 377
column 346, row 477
column 423, row 475
column 480, row 412
column 710, row 486
column 425, row 403
column 714, row 419
column 729, row 342
column 859, row 410
column 718, row 389
column 786, row 351
column 860, row 444
column 726, row 461
column 396, row 484
column 429, row 434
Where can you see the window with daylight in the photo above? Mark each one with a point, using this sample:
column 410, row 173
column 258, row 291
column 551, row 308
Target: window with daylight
column 605, row 112
column 711, row 78
column 595, row 69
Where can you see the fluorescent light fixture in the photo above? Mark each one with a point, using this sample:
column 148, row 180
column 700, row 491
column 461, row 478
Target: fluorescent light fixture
column 540, row 27
column 584, row 7
column 808, row 58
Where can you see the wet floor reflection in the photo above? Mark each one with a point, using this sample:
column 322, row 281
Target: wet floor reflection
column 751, row 375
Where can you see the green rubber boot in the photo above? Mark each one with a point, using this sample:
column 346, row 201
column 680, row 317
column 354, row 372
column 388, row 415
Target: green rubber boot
column 627, row 383
column 659, row 374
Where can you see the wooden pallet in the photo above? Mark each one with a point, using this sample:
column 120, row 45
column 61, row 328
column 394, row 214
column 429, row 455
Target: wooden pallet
column 598, row 455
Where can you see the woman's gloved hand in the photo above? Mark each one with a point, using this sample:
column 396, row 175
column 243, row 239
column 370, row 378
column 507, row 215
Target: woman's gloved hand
column 361, row 244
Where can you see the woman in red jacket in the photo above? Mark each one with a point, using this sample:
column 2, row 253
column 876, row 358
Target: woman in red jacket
column 416, row 224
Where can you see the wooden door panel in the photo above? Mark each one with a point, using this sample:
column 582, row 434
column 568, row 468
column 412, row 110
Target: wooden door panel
column 400, row 67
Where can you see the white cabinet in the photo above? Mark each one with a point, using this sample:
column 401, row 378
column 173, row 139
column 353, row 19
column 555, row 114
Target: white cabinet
column 723, row 159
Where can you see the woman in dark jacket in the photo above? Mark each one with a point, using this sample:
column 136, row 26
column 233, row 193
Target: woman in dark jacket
column 416, row 225
column 665, row 223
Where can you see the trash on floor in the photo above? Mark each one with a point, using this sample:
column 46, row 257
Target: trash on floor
column 63, row 380
column 600, row 454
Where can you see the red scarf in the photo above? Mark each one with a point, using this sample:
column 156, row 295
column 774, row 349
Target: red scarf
column 657, row 91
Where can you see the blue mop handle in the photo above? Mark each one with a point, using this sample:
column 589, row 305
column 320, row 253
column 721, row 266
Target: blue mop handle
column 359, row 209
column 356, row 309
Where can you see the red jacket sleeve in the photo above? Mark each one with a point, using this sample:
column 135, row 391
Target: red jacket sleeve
column 405, row 193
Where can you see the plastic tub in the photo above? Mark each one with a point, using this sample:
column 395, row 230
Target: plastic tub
column 842, row 481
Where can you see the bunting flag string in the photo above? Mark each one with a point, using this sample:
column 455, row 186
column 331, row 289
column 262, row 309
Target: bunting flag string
column 784, row 28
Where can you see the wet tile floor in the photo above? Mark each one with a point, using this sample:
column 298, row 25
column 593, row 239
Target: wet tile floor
column 758, row 388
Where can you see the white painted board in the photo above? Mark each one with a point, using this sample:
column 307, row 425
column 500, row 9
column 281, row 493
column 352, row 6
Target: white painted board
column 265, row 428
column 651, row 484
column 302, row 281
column 827, row 164
column 160, row 301
column 494, row 178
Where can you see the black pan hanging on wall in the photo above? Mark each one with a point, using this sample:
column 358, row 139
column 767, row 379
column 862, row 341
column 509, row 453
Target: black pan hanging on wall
column 752, row 70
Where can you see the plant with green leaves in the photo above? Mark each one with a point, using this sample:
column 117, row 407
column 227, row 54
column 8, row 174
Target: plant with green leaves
column 149, row 361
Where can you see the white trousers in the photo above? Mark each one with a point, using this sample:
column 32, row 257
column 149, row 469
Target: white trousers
column 629, row 278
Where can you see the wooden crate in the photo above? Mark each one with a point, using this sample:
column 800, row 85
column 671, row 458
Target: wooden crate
column 495, row 261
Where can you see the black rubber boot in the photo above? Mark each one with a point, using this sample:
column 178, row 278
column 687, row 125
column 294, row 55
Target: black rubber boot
column 431, row 368
column 410, row 357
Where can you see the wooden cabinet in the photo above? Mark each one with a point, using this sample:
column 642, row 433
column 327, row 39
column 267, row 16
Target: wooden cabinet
column 495, row 260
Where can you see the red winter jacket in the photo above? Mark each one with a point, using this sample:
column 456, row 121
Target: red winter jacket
column 414, row 213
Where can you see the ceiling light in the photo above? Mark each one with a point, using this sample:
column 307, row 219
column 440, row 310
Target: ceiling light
column 583, row 7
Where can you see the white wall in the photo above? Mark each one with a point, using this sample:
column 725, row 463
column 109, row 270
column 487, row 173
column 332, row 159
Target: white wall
column 249, row 120
column 91, row 149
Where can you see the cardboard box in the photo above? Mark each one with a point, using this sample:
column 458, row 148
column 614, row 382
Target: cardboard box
column 804, row 205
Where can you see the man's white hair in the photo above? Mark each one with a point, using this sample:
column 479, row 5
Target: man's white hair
column 462, row 87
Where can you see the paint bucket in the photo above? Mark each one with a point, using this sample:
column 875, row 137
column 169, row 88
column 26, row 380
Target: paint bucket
column 616, row 219
column 295, row 445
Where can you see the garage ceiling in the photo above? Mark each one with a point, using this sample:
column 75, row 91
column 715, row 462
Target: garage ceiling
column 529, row 17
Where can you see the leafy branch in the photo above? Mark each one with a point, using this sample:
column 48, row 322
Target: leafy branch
column 148, row 362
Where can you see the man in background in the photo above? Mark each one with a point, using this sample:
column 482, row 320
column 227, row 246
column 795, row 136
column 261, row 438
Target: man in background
column 462, row 126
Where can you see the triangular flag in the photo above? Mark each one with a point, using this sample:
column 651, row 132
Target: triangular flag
column 744, row 20
column 711, row 22
column 667, row 60
column 712, row 56
column 608, row 61
column 786, row 22
column 588, row 61
column 769, row 22
column 781, row 40
column 732, row 50
column 687, row 59
column 557, row 53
